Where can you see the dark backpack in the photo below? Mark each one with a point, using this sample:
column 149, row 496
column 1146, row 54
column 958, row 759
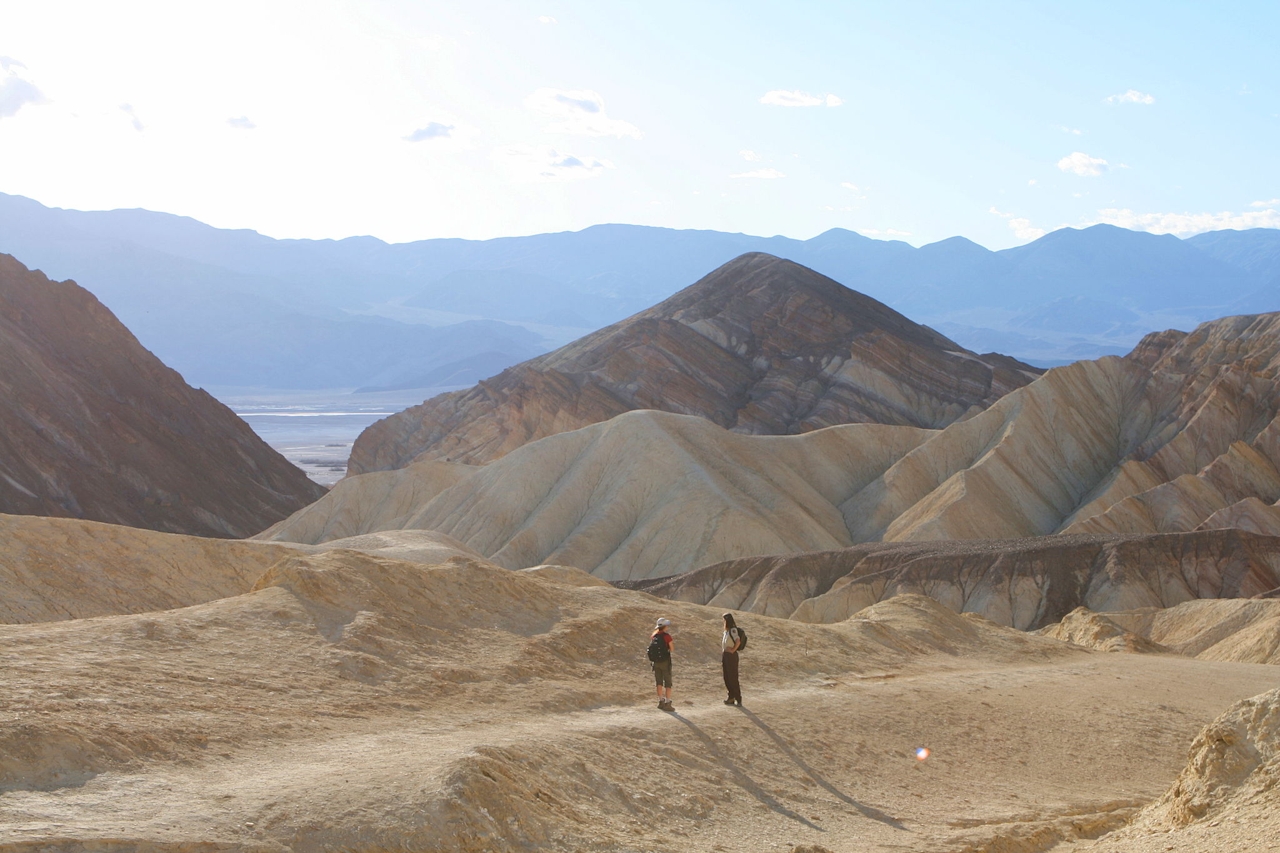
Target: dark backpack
column 658, row 649
column 742, row 638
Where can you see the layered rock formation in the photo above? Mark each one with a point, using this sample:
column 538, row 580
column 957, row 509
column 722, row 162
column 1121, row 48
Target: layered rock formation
column 759, row 346
column 1026, row 584
column 93, row 426
column 1182, row 435
column 646, row 494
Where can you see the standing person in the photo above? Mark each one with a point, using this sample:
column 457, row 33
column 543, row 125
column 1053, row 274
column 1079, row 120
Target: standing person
column 660, row 643
column 729, row 645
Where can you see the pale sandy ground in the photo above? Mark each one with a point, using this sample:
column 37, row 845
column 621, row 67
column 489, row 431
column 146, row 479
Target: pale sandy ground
column 358, row 703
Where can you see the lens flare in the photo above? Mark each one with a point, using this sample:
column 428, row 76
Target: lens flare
column 922, row 753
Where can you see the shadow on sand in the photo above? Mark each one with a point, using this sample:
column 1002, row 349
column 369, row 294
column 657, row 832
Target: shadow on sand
column 789, row 751
column 742, row 779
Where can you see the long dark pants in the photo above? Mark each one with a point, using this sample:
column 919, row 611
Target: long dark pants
column 729, row 660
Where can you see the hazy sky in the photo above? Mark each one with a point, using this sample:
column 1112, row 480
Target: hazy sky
column 484, row 118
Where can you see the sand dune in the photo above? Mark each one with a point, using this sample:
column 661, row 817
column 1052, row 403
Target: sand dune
column 466, row 707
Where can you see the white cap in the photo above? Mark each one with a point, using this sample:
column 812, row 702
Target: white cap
column 662, row 623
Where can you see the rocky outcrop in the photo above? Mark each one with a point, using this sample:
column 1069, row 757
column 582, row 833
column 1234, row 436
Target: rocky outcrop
column 760, row 346
column 1083, row 627
column 1026, row 584
column 93, row 426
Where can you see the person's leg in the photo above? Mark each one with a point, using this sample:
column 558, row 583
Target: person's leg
column 730, row 660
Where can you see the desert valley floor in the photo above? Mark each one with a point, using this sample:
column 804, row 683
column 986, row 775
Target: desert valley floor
column 353, row 702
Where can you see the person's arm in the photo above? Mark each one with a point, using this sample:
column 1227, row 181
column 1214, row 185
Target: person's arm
column 737, row 639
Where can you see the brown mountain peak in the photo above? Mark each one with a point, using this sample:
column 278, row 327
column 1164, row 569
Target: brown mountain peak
column 761, row 345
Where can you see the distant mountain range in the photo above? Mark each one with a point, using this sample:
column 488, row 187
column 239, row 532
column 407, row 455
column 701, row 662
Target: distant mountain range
column 236, row 308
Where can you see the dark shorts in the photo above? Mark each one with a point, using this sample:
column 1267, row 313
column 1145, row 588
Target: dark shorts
column 662, row 672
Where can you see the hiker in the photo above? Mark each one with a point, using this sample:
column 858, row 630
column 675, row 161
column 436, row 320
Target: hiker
column 660, row 643
column 729, row 645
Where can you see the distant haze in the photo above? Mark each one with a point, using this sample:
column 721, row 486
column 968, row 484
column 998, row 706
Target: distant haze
column 235, row 308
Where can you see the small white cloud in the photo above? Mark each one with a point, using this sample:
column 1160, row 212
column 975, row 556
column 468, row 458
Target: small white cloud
column 1186, row 224
column 127, row 109
column 1272, row 203
column 1032, row 182
column 1074, row 131
column 431, row 130
column 1020, row 226
column 241, row 123
column 749, row 155
column 16, row 88
column 546, row 19
column 851, row 187
column 1083, row 165
column 1133, row 96
column 579, row 112
column 796, row 98
column 767, row 174
column 546, row 165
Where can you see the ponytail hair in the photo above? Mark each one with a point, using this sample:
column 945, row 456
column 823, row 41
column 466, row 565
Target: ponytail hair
column 729, row 624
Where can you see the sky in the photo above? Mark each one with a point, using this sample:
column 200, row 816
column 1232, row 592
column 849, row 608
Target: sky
column 485, row 118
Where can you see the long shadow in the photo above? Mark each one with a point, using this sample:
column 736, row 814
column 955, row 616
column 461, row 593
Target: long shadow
column 744, row 781
column 867, row 811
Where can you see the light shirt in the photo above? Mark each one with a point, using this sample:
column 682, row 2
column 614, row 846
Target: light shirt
column 729, row 640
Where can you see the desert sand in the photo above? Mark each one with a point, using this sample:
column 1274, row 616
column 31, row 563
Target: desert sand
column 355, row 702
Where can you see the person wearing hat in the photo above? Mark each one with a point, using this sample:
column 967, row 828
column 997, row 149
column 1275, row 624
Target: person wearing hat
column 660, row 643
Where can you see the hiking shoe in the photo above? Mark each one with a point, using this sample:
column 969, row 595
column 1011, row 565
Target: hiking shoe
column 666, row 706
column 728, row 701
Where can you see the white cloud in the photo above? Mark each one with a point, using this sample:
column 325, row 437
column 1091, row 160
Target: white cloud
column 128, row 110
column 1020, row 226
column 1272, row 203
column 431, row 130
column 1186, row 224
column 16, row 88
column 579, row 112
column 1074, row 131
column 241, row 123
column 1032, row 182
column 546, row 165
column 1133, row 96
column 796, row 98
column 768, row 174
column 749, row 155
column 546, row 19
column 1083, row 165
column 852, row 187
